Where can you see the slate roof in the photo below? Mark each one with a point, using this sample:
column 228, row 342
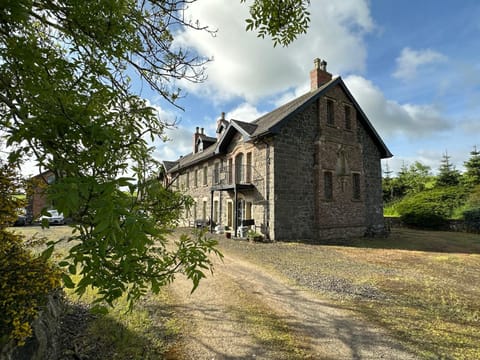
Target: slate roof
column 207, row 139
column 248, row 127
column 192, row 158
column 272, row 122
column 267, row 122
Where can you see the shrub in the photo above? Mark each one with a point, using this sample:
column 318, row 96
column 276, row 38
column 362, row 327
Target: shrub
column 25, row 278
column 472, row 220
column 431, row 208
column 25, row 281
column 424, row 218
column 473, row 200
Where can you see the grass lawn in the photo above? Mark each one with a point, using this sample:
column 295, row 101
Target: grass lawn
column 432, row 284
column 429, row 284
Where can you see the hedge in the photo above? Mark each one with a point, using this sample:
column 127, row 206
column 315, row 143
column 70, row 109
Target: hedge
column 472, row 220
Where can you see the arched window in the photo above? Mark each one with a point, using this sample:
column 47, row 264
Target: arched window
column 239, row 171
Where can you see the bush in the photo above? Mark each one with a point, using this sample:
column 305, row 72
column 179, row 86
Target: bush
column 25, row 278
column 472, row 220
column 25, row 281
column 431, row 208
column 424, row 219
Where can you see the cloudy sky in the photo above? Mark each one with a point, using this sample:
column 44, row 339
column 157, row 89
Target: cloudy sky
column 413, row 66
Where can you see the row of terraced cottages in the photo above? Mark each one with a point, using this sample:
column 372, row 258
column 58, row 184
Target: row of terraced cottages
column 308, row 170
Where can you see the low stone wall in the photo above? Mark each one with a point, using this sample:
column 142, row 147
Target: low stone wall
column 43, row 345
column 452, row 225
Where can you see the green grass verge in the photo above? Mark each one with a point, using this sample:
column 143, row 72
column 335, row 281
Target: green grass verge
column 150, row 331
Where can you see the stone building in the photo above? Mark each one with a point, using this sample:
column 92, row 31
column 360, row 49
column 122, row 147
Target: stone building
column 308, row 170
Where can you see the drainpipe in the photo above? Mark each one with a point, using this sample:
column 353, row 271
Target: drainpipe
column 235, row 211
column 211, row 211
column 267, row 188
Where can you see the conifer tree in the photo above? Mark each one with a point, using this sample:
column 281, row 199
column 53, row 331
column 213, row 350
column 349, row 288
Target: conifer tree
column 447, row 175
column 471, row 176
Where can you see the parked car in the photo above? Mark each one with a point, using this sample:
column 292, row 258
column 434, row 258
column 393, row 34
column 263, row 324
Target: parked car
column 54, row 217
column 21, row 220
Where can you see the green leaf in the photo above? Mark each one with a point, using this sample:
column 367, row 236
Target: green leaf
column 72, row 269
column 47, row 253
column 67, row 281
column 99, row 310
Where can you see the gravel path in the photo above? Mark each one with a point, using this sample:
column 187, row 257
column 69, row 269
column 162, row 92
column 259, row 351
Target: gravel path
column 322, row 330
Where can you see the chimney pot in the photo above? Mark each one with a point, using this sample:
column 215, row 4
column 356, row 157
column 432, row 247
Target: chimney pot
column 196, row 130
column 201, row 131
column 323, row 65
column 319, row 75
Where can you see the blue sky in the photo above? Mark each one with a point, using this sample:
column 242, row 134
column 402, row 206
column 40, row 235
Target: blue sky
column 413, row 66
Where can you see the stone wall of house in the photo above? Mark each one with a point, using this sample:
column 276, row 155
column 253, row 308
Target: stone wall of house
column 339, row 154
column 373, row 184
column 307, row 148
column 294, row 177
column 263, row 193
column 289, row 200
column 195, row 183
column 256, row 199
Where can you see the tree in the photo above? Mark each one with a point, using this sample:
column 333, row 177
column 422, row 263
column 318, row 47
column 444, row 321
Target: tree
column 472, row 168
column 387, row 184
column 431, row 208
column 447, row 174
column 282, row 20
column 412, row 179
column 66, row 100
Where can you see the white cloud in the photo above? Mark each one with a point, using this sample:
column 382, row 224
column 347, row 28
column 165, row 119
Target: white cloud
column 248, row 67
column 410, row 60
column 391, row 118
column 180, row 143
column 179, row 139
column 471, row 125
column 430, row 157
column 244, row 112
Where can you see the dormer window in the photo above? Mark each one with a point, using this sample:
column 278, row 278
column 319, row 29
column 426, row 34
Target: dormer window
column 222, row 125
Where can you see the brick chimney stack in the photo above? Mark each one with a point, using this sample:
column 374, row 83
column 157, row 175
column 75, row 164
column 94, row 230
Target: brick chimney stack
column 195, row 138
column 319, row 75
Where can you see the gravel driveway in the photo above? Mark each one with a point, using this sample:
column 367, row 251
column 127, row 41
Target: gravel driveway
column 215, row 316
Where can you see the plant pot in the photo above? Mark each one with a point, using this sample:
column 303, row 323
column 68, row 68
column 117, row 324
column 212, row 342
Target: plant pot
column 228, row 235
